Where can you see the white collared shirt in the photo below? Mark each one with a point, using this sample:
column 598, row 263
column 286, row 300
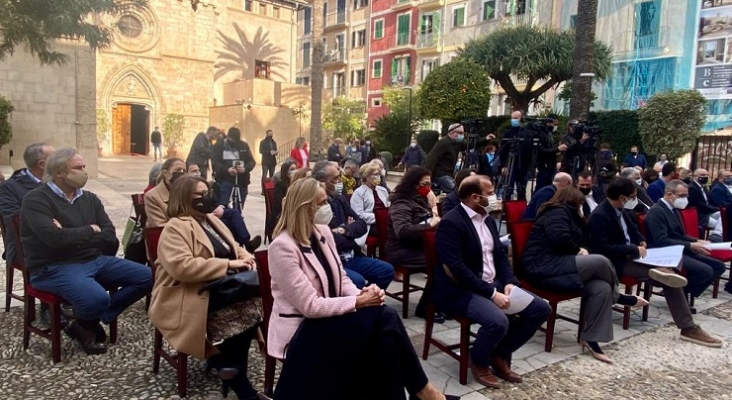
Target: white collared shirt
column 486, row 242
column 590, row 201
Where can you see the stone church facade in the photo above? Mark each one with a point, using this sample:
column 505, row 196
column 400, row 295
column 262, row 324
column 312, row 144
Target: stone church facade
column 168, row 59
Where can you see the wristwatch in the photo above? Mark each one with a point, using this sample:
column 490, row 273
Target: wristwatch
column 341, row 230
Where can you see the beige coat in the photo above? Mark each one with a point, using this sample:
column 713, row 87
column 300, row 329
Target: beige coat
column 185, row 263
column 156, row 206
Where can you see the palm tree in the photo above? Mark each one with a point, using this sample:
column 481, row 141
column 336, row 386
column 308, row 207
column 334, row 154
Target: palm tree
column 316, row 82
column 239, row 53
column 584, row 51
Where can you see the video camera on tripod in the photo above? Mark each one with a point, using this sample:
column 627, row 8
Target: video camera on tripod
column 474, row 129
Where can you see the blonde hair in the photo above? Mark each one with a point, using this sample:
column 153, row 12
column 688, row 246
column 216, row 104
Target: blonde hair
column 297, row 210
column 369, row 169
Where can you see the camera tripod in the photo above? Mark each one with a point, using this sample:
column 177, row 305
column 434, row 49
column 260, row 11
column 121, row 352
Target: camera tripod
column 514, row 153
column 235, row 200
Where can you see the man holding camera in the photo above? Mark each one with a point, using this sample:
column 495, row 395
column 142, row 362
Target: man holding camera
column 232, row 160
column 513, row 141
column 574, row 140
column 546, row 163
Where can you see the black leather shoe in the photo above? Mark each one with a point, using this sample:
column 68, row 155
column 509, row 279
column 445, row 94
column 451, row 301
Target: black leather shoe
column 439, row 317
column 86, row 338
column 254, row 244
column 46, row 317
column 100, row 335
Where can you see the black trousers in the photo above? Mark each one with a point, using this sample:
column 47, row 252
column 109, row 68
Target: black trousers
column 365, row 355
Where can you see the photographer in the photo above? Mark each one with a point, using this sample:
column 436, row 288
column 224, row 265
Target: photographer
column 514, row 141
column 443, row 158
column 546, row 162
column 233, row 161
column 576, row 140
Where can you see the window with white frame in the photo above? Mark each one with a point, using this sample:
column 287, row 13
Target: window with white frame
column 458, row 16
column 376, row 68
column 376, row 102
column 379, row 28
column 489, row 10
column 358, row 38
column 307, row 19
column 306, row 54
column 428, row 66
column 360, row 3
column 358, row 77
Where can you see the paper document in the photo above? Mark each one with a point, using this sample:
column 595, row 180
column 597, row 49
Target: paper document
column 519, row 300
column 506, row 240
column 719, row 246
column 668, row 257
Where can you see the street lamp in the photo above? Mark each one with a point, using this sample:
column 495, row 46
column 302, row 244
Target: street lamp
column 589, row 75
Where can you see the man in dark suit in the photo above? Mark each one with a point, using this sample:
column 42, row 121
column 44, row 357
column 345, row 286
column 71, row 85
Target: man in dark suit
column 656, row 189
column 664, row 228
column 543, row 195
column 268, row 151
column 593, row 194
column 334, row 151
column 644, row 202
column 474, row 280
column 613, row 234
column 700, row 197
column 721, row 196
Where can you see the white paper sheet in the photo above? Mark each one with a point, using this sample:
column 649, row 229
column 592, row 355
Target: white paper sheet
column 719, row 246
column 519, row 300
column 668, row 257
column 506, row 240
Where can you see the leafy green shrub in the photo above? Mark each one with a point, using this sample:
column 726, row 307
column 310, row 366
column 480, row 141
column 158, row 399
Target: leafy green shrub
column 671, row 122
column 6, row 130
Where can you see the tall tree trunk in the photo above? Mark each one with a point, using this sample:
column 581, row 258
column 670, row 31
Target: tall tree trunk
column 316, row 82
column 584, row 54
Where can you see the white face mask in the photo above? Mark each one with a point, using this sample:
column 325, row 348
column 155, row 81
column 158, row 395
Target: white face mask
column 554, row 129
column 631, row 204
column 377, row 180
column 412, row 144
column 639, row 181
column 338, row 187
column 681, row 203
column 291, row 173
column 492, row 203
column 382, row 172
column 323, row 215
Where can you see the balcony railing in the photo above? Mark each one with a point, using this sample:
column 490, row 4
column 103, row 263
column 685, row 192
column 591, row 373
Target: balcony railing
column 522, row 17
column 335, row 56
column 402, row 39
column 631, row 44
column 427, row 40
column 336, row 18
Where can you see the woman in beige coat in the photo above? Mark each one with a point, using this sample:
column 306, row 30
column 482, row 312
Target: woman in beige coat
column 195, row 248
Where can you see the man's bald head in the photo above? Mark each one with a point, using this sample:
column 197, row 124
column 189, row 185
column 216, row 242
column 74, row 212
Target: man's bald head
column 700, row 172
column 562, row 179
column 516, row 115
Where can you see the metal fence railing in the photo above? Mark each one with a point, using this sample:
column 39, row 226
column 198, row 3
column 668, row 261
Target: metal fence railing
column 713, row 153
column 284, row 150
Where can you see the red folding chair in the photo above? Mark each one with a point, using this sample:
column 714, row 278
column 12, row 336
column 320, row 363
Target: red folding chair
column 382, row 225
column 513, row 209
column 53, row 333
column 10, row 267
column 179, row 361
column 463, row 354
column 519, row 231
column 265, row 289
column 691, row 227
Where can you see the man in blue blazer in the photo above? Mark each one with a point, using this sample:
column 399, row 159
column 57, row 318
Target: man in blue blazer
column 543, row 195
column 473, row 279
column 664, row 228
column 655, row 190
column 721, row 196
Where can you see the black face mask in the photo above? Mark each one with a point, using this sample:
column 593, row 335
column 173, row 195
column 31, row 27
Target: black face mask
column 585, row 191
column 206, row 204
column 175, row 175
column 703, row 180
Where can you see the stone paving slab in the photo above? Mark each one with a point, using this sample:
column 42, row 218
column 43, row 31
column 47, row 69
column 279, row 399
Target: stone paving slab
column 649, row 353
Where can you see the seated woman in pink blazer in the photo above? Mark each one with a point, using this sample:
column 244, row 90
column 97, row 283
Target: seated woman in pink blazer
column 337, row 342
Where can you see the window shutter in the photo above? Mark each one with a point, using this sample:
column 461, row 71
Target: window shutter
column 437, row 23
column 407, row 70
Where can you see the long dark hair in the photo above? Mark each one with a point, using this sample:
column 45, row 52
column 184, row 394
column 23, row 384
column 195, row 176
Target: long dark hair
column 285, row 171
column 568, row 195
column 410, row 180
column 181, row 193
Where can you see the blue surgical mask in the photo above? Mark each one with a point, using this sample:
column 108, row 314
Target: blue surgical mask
column 728, row 181
column 460, row 138
column 515, row 122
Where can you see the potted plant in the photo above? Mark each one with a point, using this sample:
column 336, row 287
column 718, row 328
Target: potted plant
column 102, row 130
column 173, row 132
column 6, row 130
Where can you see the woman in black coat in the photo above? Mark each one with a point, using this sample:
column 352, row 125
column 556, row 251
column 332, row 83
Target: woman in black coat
column 556, row 260
column 287, row 170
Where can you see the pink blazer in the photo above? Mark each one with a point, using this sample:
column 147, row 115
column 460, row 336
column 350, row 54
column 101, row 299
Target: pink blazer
column 298, row 287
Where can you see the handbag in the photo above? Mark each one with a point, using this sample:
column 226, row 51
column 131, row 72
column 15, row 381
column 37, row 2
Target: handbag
column 133, row 241
column 234, row 287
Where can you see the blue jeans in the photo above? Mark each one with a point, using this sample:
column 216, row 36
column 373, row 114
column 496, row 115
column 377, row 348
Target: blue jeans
column 446, row 184
column 157, row 151
column 85, row 285
column 498, row 336
column 233, row 220
column 225, row 188
column 361, row 269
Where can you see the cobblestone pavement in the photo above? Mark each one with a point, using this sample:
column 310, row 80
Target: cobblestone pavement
column 650, row 360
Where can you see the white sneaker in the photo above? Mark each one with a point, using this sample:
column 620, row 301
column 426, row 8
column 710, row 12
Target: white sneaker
column 669, row 279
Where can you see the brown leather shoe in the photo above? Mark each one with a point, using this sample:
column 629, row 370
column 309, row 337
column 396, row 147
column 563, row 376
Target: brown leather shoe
column 697, row 335
column 484, row 376
column 503, row 370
